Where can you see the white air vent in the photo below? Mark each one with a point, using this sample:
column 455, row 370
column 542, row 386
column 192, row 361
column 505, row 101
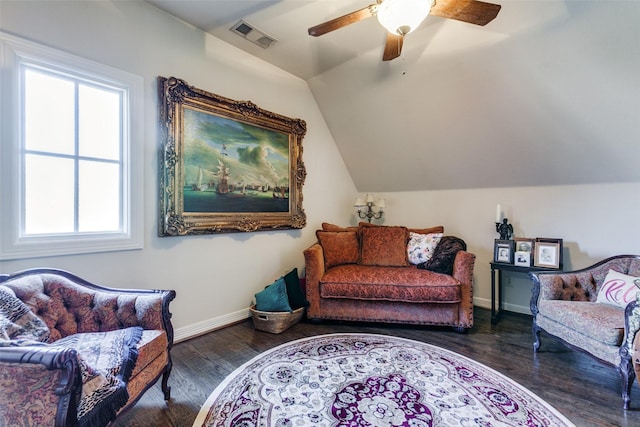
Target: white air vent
column 253, row 34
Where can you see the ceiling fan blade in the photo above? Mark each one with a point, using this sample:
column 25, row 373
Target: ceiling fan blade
column 343, row 21
column 471, row 11
column 393, row 47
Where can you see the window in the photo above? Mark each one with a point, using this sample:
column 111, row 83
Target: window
column 71, row 178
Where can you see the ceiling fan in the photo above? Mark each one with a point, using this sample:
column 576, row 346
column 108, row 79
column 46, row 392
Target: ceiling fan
column 400, row 17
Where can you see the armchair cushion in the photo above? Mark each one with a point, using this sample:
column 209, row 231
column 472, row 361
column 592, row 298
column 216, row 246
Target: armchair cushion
column 617, row 289
column 384, row 246
column 338, row 247
column 332, row 227
column 605, row 325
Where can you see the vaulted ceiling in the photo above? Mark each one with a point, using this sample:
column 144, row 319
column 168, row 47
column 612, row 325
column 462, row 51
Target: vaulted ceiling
column 546, row 94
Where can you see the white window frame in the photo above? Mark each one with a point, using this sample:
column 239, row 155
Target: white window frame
column 14, row 243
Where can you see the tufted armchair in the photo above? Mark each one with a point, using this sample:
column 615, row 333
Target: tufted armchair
column 41, row 385
column 563, row 304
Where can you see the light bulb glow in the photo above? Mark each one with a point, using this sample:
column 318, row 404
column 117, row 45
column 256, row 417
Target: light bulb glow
column 402, row 16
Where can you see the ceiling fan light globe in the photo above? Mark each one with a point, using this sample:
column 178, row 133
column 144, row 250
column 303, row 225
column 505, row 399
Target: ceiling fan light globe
column 402, row 16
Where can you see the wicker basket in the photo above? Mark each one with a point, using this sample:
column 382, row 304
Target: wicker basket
column 275, row 321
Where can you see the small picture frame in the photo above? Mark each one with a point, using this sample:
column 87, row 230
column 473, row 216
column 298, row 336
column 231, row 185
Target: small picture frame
column 548, row 253
column 503, row 251
column 524, row 244
column 522, row 258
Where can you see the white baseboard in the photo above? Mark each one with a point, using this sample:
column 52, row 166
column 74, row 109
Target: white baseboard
column 486, row 303
column 191, row 331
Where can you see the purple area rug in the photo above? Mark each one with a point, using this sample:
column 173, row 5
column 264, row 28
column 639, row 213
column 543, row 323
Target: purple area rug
column 370, row 380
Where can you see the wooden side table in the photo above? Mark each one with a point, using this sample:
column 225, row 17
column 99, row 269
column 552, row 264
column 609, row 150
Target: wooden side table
column 500, row 267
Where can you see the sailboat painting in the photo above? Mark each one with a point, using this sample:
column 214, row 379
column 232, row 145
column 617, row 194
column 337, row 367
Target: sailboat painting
column 228, row 164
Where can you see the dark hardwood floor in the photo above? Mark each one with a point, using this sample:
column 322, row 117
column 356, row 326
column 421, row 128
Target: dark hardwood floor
column 584, row 390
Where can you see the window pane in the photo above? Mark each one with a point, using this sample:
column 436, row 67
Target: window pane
column 49, row 183
column 99, row 123
column 99, row 197
column 49, row 113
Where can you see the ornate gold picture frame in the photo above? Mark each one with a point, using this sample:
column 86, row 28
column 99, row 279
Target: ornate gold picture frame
column 226, row 166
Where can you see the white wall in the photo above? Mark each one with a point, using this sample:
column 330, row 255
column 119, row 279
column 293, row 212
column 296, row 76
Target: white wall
column 215, row 276
column 594, row 221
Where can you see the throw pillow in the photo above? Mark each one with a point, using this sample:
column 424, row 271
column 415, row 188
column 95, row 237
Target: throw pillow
column 273, row 297
column 617, row 289
column 421, row 246
column 297, row 299
column 338, row 247
column 332, row 227
column 17, row 322
column 384, row 246
column 436, row 229
column 444, row 255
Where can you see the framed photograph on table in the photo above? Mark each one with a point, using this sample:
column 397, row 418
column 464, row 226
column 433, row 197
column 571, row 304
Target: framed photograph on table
column 503, row 251
column 522, row 258
column 548, row 253
column 524, row 244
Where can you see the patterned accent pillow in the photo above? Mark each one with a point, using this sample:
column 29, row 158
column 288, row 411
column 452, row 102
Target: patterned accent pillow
column 617, row 289
column 338, row 247
column 421, row 246
column 444, row 255
column 384, row 246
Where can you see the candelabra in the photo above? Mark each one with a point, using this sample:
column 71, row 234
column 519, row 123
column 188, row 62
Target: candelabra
column 368, row 208
column 502, row 225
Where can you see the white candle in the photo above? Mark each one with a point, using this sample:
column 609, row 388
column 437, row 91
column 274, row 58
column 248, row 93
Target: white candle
column 498, row 213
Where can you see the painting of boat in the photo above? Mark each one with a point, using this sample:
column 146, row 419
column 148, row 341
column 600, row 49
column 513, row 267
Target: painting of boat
column 281, row 192
column 223, row 175
column 200, row 185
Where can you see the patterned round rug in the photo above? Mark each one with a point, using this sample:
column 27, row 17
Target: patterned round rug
column 370, row 380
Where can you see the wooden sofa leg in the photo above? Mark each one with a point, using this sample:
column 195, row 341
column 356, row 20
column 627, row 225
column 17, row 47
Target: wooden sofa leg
column 627, row 376
column 166, row 389
column 460, row 329
column 536, row 336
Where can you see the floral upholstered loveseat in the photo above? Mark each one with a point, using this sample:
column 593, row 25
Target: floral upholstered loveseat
column 585, row 309
column 364, row 274
column 75, row 353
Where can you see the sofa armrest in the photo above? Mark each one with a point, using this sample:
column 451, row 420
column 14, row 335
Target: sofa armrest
column 314, row 270
column 39, row 386
column 463, row 265
column 631, row 327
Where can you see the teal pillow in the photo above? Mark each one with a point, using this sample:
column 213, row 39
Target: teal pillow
column 296, row 298
column 273, row 297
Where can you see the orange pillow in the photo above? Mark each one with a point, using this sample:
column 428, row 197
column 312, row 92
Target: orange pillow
column 332, row 227
column 436, row 229
column 338, row 247
column 384, row 246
